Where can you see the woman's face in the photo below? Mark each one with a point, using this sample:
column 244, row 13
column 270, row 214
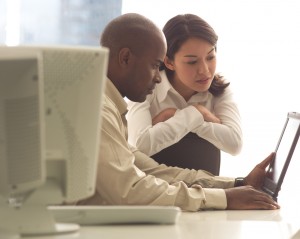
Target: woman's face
column 194, row 67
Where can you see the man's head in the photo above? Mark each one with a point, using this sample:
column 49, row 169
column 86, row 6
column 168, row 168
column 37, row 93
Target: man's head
column 137, row 49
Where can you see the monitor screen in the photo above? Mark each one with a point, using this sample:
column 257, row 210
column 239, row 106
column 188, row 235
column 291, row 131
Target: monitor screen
column 68, row 85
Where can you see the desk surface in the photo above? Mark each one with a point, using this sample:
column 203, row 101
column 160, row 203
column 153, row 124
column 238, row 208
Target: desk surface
column 208, row 225
column 232, row 224
column 275, row 224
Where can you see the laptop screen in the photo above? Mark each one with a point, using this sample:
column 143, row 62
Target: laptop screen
column 284, row 151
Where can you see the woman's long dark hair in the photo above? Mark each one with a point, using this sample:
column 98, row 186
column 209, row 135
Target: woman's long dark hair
column 183, row 27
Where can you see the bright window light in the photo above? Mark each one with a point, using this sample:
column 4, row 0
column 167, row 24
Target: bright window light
column 12, row 22
column 258, row 52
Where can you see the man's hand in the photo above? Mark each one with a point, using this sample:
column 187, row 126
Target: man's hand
column 256, row 177
column 250, row 196
column 247, row 197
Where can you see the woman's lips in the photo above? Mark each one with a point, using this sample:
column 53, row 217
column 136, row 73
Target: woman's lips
column 202, row 81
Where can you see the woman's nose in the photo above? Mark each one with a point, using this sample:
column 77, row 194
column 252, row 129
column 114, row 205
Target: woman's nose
column 203, row 69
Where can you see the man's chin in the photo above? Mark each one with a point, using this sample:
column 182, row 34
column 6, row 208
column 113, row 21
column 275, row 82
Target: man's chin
column 138, row 99
column 141, row 100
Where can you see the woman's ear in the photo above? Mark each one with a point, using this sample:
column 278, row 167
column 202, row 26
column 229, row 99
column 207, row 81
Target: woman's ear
column 169, row 63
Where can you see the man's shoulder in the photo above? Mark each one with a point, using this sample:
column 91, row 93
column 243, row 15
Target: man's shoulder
column 106, row 100
column 109, row 106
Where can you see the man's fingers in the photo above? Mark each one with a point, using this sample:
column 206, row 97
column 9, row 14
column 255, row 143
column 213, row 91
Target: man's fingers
column 266, row 206
column 267, row 161
column 265, row 199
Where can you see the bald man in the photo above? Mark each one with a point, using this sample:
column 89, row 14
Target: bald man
column 128, row 177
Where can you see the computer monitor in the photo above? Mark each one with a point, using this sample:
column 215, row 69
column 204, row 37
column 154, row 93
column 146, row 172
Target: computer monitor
column 50, row 118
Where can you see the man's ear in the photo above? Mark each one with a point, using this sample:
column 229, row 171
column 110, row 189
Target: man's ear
column 125, row 56
column 169, row 64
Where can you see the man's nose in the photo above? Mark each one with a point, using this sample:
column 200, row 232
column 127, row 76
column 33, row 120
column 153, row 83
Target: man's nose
column 157, row 78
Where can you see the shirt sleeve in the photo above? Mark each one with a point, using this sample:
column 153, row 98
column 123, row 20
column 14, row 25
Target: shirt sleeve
column 226, row 136
column 132, row 178
column 151, row 139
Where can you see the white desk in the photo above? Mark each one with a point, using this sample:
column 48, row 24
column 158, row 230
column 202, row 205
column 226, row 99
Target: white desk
column 208, row 225
column 257, row 224
column 277, row 224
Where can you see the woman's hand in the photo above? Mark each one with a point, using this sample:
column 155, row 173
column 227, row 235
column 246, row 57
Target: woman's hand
column 163, row 115
column 207, row 115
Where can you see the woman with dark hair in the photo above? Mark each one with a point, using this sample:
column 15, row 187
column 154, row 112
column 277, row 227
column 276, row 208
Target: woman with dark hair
column 191, row 115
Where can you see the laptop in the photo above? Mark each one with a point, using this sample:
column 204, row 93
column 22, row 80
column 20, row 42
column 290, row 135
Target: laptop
column 284, row 152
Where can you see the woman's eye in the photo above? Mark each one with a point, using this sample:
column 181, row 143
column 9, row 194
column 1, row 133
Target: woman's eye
column 211, row 57
column 191, row 62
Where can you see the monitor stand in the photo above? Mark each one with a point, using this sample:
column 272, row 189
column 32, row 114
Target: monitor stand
column 31, row 217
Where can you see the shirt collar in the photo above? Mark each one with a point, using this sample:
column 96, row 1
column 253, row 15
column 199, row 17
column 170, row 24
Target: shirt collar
column 163, row 87
column 113, row 93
